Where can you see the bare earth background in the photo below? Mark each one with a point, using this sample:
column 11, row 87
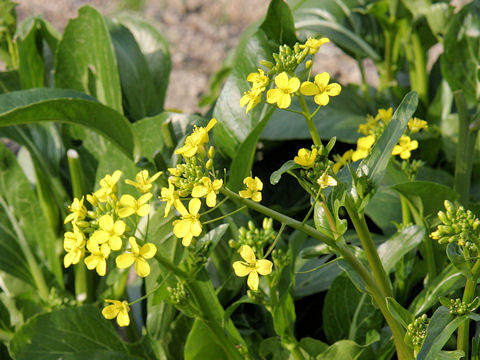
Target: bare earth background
column 200, row 34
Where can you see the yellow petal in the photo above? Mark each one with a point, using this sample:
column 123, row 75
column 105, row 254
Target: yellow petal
column 141, row 267
column 321, row 99
column 101, row 267
column 334, row 89
column 257, row 196
column 241, row 269
column 281, row 80
column 397, row 149
column 187, row 240
column 115, row 243
column 125, row 212
column 128, row 200
column 284, row 101
column 148, row 250
column 144, row 210
column 293, row 84
column 245, row 194
column 181, row 228
column 119, row 227
column 110, row 312
column 308, row 89
column 91, row 262
column 125, row 260
column 180, row 207
column 246, row 252
column 264, row 267
column 211, row 124
column 123, row 319
column 211, row 199
column 252, row 280
column 194, row 206
column 67, row 260
column 196, row 228
column 273, row 95
column 199, row 191
column 133, row 245
column 145, row 198
column 322, row 79
column 106, row 222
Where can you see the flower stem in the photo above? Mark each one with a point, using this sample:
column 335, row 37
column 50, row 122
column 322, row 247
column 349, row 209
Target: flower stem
column 309, row 120
column 224, row 216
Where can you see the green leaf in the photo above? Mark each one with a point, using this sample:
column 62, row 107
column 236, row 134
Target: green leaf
column 39, row 105
column 348, row 313
column 461, row 46
column 441, row 327
column 66, row 331
column 154, row 47
column 31, row 66
column 284, row 315
column 395, row 248
column 384, row 209
column 85, row 59
column 9, row 81
column 341, row 350
column 271, row 348
column 201, row 344
column 278, row 24
column 450, row 355
column 312, row 347
column 399, row 312
column 456, row 257
column 448, row 280
column 277, row 175
column 374, row 166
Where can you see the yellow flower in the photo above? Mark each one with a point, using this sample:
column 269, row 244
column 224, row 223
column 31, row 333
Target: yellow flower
column 142, row 182
column 97, row 258
column 118, row 310
column 326, row 180
column 108, row 187
column 415, row 124
column 305, row 158
column 78, row 211
column 364, row 144
column 169, row 195
column 342, row 161
column 369, row 127
column 129, row 205
column 405, row 145
column 313, row 44
column 251, row 266
column 251, row 98
column 195, row 141
column 385, row 115
column 259, row 80
column 137, row 256
column 190, row 225
column 74, row 245
column 109, row 232
column 209, row 189
column 321, row 89
column 254, row 188
column 286, row 87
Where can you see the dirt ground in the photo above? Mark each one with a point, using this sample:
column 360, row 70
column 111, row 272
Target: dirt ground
column 200, row 34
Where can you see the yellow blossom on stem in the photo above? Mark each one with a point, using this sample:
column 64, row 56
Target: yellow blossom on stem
column 254, row 188
column 321, row 89
column 259, row 80
column 142, row 182
column 326, row 180
column 404, row 147
column 313, row 44
column 282, row 94
column 119, row 310
column 369, row 127
column 110, row 232
column 78, row 211
column 74, row 245
column 169, row 195
column 209, row 189
column 305, row 158
column 108, row 187
column 342, row 161
column 364, row 144
column 194, row 142
column 385, row 115
column 415, row 124
column 251, row 98
column 98, row 257
column 129, row 205
column 189, row 225
column 138, row 256
column 251, row 267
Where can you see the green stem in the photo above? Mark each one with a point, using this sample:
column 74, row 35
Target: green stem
column 270, row 249
column 35, row 269
column 386, row 74
column 403, row 351
column 465, row 150
column 358, row 220
column 309, row 120
column 224, row 216
column 406, row 219
column 420, row 68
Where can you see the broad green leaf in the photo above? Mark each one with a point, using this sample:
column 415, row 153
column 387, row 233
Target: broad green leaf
column 278, row 24
column 284, row 315
column 448, row 280
column 399, row 312
column 374, row 166
column 9, row 81
column 201, row 344
column 348, row 313
column 100, row 355
column 461, row 46
column 139, row 97
column 426, row 196
column 341, row 350
column 384, row 209
column 456, row 257
column 312, row 347
column 271, row 348
column 85, row 59
column 31, row 65
column 212, row 238
column 39, row 105
column 450, row 355
column 154, row 47
column 441, row 327
column 66, row 332
column 395, row 248
column 340, row 119
column 277, row 175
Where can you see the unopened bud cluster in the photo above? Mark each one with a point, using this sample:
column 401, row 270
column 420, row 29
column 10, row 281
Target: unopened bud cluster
column 458, row 226
column 178, row 294
column 280, row 258
column 459, row 307
column 287, row 59
column 254, row 237
column 417, row 331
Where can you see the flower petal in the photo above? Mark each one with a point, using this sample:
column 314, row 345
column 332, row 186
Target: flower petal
column 308, row 89
column 334, row 89
column 252, row 280
column 241, row 269
column 194, row 206
column 281, row 80
column 142, row 268
column 91, row 262
column 284, row 101
column 273, row 95
column 123, row 319
column 293, row 84
column 110, row 312
column 321, row 99
column 199, row 191
column 264, row 267
column 125, row 260
column 181, row 228
column 246, row 252
column 148, row 251
column 322, row 79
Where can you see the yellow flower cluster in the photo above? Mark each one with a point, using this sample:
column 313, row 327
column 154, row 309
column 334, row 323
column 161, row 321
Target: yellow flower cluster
column 251, row 267
column 193, row 178
column 253, row 190
column 286, row 83
column 103, row 229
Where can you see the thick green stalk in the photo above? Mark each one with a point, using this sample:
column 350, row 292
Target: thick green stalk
column 386, row 75
column 420, row 68
column 403, row 351
column 465, row 150
column 369, row 247
column 308, row 118
column 463, row 338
